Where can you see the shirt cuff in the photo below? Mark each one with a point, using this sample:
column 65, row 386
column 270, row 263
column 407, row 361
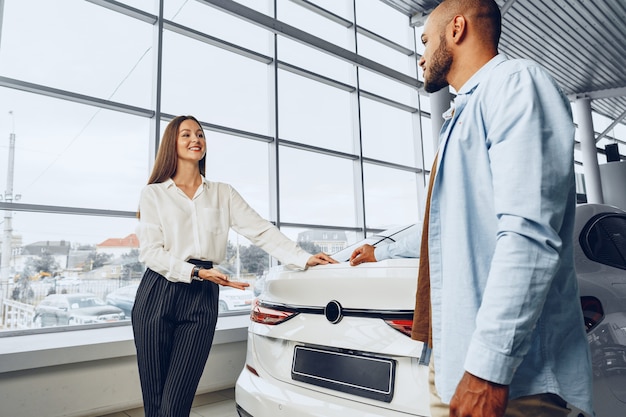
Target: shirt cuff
column 381, row 252
column 186, row 273
column 489, row 365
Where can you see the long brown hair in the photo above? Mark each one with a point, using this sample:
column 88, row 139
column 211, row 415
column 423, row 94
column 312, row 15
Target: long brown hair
column 166, row 161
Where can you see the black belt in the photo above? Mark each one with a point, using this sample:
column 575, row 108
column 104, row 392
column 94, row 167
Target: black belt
column 203, row 264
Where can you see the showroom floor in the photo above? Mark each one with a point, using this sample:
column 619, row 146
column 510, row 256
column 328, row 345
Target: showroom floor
column 214, row 404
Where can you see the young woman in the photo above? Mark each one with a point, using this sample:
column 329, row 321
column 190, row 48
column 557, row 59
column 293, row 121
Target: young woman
column 183, row 230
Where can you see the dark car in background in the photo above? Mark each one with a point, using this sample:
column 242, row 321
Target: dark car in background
column 334, row 340
column 601, row 269
column 124, row 298
column 69, row 309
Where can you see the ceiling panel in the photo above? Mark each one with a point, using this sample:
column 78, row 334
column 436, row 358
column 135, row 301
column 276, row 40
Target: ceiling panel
column 581, row 42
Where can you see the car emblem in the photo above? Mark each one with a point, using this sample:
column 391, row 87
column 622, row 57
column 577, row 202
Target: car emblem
column 333, row 312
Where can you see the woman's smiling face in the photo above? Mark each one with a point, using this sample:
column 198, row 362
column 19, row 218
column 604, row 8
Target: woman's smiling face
column 190, row 143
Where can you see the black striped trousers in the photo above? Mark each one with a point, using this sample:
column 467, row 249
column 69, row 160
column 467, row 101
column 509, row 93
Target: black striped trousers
column 173, row 324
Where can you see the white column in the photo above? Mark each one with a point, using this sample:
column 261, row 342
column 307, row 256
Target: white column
column 591, row 169
column 439, row 103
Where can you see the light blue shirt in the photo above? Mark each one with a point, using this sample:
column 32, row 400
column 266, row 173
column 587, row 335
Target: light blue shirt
column 406, row 247
column 505, row 302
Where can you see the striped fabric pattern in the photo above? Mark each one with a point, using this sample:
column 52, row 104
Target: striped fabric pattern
column 173, row 325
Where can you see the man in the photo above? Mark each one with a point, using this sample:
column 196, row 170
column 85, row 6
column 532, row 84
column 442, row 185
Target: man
column 507, row 329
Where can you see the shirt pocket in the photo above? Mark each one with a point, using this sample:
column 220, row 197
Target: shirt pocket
column 214, row 221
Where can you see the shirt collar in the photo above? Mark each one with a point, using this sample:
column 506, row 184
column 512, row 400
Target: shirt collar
column 481, row 74
column 169, row 183
column 470, row 85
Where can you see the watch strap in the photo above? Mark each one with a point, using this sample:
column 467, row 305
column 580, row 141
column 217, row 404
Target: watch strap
column 195, row 273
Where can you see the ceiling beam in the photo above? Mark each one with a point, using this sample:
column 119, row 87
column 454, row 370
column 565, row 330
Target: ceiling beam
column 600, row 94
column 611, row 126
column 418, row 19
column 506, row 6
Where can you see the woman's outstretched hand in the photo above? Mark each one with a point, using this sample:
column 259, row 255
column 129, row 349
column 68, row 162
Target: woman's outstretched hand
column 320, row 259
column 217, row 277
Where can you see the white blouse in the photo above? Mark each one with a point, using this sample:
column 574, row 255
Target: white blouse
column 173, row 228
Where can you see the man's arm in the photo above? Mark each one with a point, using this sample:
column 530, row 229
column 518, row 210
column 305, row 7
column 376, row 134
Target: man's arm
column 407, row 247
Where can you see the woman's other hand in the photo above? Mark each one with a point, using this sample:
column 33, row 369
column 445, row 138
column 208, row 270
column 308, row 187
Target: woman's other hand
column 320, row 259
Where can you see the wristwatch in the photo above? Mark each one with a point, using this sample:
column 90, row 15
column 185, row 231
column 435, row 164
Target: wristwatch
column 195, row 273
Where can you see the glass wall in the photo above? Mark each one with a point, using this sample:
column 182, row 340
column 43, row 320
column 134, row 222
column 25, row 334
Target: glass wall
column 313, row 141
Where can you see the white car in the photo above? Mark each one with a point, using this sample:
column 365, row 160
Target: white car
column 335, row 340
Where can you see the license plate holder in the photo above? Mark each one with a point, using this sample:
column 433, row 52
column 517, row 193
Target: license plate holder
column 359, row 374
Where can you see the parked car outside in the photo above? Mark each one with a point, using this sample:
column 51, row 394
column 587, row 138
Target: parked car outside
column 334, row 340
column 124, row 298
column 233, row 299
column 69, row 309
column 230, row 299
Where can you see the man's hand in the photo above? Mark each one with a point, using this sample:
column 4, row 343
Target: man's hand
column 476, row 397
column 362, row 254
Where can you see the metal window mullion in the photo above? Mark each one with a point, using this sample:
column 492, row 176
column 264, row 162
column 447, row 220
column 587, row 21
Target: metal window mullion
column 74, row 97
column 226, row 130
column 157, row 71
column 213, row 41
column 1, row 19
column 126, row 10
column 387, row 101
column 40, row 208
column 393, row 165
column 323, row 12
column 274, row 150
column 320, row 227
column 388, row 43
column 316, row 149
column 314, row 76
column 418, row 134
column 358, row 167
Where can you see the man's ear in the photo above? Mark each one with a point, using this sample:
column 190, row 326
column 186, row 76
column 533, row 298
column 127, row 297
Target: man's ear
column 458, row 28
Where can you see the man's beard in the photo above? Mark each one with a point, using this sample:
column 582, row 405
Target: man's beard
column 441, row 62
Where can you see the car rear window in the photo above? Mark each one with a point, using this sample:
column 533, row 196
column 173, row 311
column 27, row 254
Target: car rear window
column 603, row 239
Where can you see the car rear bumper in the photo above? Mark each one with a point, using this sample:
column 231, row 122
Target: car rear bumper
column 267, row 397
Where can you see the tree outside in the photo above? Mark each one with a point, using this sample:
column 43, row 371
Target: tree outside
column 131, row 267
column 96, row 260
column 35, row 268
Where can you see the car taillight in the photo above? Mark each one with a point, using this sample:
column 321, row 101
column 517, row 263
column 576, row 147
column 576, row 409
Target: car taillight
column 403, row 326
column 251, row 369
column 265, row 314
